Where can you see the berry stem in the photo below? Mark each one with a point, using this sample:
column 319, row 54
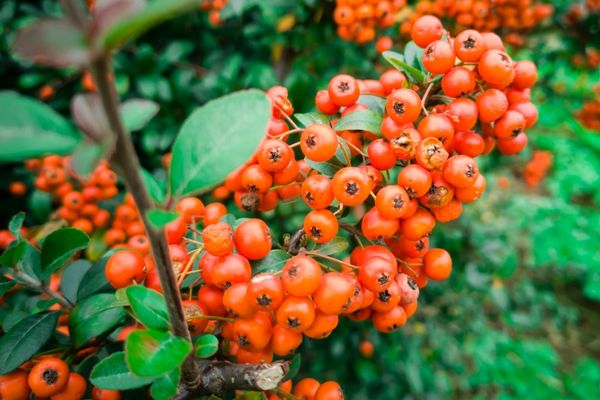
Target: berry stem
column 41, row 287
column 291, row 131
column 288, row 119
column 332, row 259
column 125, row 159
column 425, row 96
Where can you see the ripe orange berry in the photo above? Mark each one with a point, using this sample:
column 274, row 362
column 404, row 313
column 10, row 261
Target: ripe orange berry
column 389, row 321
column 403, row 105
column 301, row 276
column 343, row 90
column 381, row 154
column 190, row 208
column 283, row 341
column 230, row 269
column 213, row 212
column 418, row 225
column 458, row 81
column 322, row 326
column 325, row 104
column 236, row 300
column 426, row 30
column 525, row 75
column 350, row 186
column 253, row 333
column 274, row 155
column 296, row 314
column 74, row 389
column 469, row 45
column 252, row 239
column 125, row 267
column 496, row 67
column 317, row 191
column 461, row 171
column 334, row 294
column 194, row 313
column 218, row 239
column 366, row 348
column 318, row 142
column 437, row 264
column 306, row 388
column 329, row 390
column 13, row 386
column 438, row 57
column 321, row 225
column 463, row 114
column 491, row 104
column 375, row 226
column 105, row 394
column 48, row 377
column 265, row 292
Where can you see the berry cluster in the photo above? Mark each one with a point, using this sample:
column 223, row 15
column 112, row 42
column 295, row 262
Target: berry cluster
column 79, row 199
column 214, row 8
column 535, row 170
column 310, row 389
column 512, row 17
column 48, row 378
column 485, row 72
column 589, row 115
column 358, row 20
column 272, row 173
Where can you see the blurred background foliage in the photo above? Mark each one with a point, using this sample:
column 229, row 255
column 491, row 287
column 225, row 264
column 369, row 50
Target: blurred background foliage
column 521, row 314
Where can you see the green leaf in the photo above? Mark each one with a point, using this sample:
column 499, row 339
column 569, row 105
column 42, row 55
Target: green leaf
column 398, row 62
column 16, row 223
column 361, row 120
column 112, row 373
column 30, row 129
column 153, row 353
column 373, row 102
column 206, row 346
column 6, row 285
column 24, row 339
column 156, row 12
column 159, row 218
column 136, row 113
column 294, row 367
column 311, row 118
column 149, row 307
column 413, row 55
column 155, row 189
column 86, row 157
column 97, row 246
column 94, row 280
column 216, row 139
column 94, row 316
column 337, row 245
column 40, row 204
column 328, row 168
column 165, row 387
column 61, row 245
column 343, row 153
column 273, row 262
column 52, row 41
column 72, row 277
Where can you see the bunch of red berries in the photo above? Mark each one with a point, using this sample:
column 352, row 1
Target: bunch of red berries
column 78, row 198
column 214, row 8
column 589, row 115
column 272, row 173
column 358, row 20
column 513, row 17
column 536, row 169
